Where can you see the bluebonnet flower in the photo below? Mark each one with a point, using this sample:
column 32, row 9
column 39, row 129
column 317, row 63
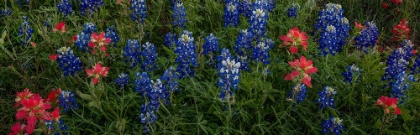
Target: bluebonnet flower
column 292, row 11
column 258, row 20
column 268, row 5
column 148, row 116
column 179, row 17
column 333, row 125
column 367, row 37
column 170, row 77
column 397, row 62
column 142, row 83
column 400, row 86
column 211, row 44
column 348, row 76
column 245, row 8
column 111, row 33
column 62, row 128
column 90, row 6
column 223, row 56
column 298, row 93
column 67, row 100
column 68, row 62
column 231, row 15
column 260, row 51
column 52, row 125
column 65, row 7
column 415, row 69
column 149, row 57
column 139, row 10
column 170, row 39
column 244, row 62
column 25, row 31
column 243, row 42
column 89, row 28
column 186, row 55
column 5, row 12
column 122, row 80
column 333, row 27
column 157, row 92
column 132, row 52
column 326, row 97
column 228, row 75
column 82, row 41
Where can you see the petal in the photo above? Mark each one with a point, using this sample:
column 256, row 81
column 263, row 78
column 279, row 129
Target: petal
column 397, row 111
column 307, row 81
column 95, row 80
column 103, row 48
column 311, row 70
column 293, row 49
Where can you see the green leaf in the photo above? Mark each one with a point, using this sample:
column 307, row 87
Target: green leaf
column 406, row 114
column 94, row 104
column 84, row 96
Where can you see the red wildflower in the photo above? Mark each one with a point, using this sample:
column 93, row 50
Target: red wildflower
column 17, row 128
column 33, row 44
column 401, row 30
column 74, row 38
column 358, row 25
column 388, row 103
column 53, row 96
column 294, row 38
column 397, row 2
column 302, row 70
column 99, row 40
column 385, row 5
column 97, row 71
column 53, row 57
column 26, row 94
column 61, row 26
column 56, row 114
column 32, row 109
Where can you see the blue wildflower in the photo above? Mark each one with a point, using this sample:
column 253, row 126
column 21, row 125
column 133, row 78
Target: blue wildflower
column 68, row 62
column 112, row 34
column 67, row 100
column 400, row 86
column 333, row 125
column 142, row 83
column 157, row 92
column 260, row 51
column 170, row 39
column 62, row 128
column 231, row 15
column 25, row 31
column 90, row 6
column 56, row 127
column 268, row 5
column 258, row 20
column 89, row 28
column 82, row 41
column 244, row 62
column 5, row 12
column 170, row 77
column 397, row 62
column 245, row 8
column 149, row 57
column 348, row 76
column 298, row 93
column 122, row 80
column 186, row 55
column 228, row 75
column 65, row 7
column 326, row 97
column 367, row 37
column 147, row 116
column 243, row 42
column 179, row 17
column 292, row 11
column 139, row 10
column 132, row 52
column 333, row 27
column 211, row 45
column 416, row 66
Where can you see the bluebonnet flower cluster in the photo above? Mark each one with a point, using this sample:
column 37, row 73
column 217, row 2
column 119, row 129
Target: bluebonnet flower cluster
column 90, row 6
column 25, row 31
column 268, row 5
column 89, row 28
column 122, row 80
column 348, row 76
column 211, row 45
column 142, row 83
column 292, row 11
column 258, row 20
column 400, row 86
column 367, row 37
column 186, row 55
column 244, row 62
column 179, row 17
column 260, row 51
column 231, row 15
column 326, row 97
column 83, row 39
column 333, row 125
column 148, row 110
column 229, row 72
column 333, row 27
column 65, row 7
column 112, row 34
column 245, row 8
column 67, row 100
column 139, row 10
column 148, row 116
column 397, row 62
column 170, row 39
column 243, row 45
column 52, row 125
column 149, row 57
column 68, row 62
column 298, row 93
column 415, row 69
column 132, row 52
column 5, row 12
column 170, row 77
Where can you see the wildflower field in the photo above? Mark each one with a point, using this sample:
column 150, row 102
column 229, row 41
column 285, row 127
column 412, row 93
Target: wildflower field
column 209, row 67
